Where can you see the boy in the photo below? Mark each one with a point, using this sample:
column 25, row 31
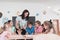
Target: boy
column 30, row 28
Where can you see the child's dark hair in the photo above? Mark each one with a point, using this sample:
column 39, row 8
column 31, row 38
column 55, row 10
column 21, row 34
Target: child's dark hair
column 4, row 26
column 29, row 23
column 50, row 21
column 42, row 25
column 9, row 21
column 38, row 22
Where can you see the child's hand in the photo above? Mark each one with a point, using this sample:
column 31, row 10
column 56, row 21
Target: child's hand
column 7, row 36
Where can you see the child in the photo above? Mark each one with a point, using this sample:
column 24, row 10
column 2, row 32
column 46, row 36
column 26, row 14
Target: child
column 48, row 27
column 38, row 27
column 5, row 33
column 30, row 28
column 10, row 28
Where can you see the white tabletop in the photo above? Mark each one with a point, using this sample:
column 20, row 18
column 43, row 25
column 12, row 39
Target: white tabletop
column 35, row 37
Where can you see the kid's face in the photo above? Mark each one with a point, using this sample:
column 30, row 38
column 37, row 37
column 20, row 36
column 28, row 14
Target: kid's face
column 36, row 25
column 45, row 26
column 11, row 23
column 29, row 25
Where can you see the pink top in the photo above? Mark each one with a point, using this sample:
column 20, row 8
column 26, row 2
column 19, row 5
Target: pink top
column 38, row 29
column 3, row 35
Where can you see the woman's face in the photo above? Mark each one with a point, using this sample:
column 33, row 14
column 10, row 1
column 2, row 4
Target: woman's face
column 26, row 14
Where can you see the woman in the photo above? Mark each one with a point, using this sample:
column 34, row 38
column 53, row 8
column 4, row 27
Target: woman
column 21, row 21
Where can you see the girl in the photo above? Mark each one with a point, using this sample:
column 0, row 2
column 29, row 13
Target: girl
column 48, row 27
column 38, row 27
column 10, row 27
column 5, row 33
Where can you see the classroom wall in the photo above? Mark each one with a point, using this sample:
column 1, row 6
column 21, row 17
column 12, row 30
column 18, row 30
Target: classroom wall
column 42, row 11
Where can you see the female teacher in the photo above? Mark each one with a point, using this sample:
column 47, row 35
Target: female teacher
column 21, row 20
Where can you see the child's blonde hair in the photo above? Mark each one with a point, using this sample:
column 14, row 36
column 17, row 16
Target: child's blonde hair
column 47, row 23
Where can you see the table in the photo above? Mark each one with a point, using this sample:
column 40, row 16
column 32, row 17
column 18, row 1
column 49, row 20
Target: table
column 35, row 37
column 21, row 37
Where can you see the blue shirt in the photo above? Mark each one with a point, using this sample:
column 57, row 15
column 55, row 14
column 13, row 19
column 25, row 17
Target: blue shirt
column 30, row 30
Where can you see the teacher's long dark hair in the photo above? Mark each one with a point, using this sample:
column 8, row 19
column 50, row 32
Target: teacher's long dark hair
column 23, row 14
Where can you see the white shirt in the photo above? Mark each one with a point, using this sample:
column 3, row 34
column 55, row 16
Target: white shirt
column 22, row 22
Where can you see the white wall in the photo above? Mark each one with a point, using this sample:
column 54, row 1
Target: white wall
column 34, row 8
